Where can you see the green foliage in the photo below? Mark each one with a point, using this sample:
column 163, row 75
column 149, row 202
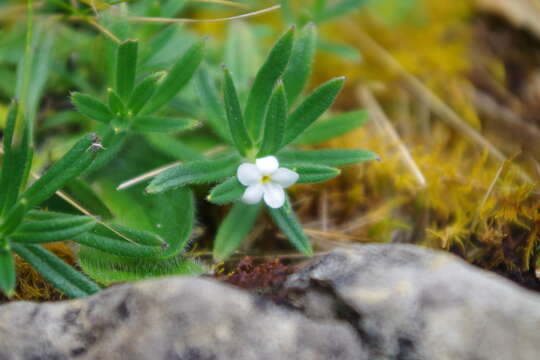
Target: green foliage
column 263, row 129
column 134, row 105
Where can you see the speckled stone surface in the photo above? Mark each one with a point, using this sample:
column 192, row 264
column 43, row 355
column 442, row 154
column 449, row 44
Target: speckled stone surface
column 407, row 302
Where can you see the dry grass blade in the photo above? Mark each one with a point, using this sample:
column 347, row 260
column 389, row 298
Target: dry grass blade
column 439, row 107
column 185, row 20
column 380, row 118
column 222, row 2
column 138, row 179
column 129, row 183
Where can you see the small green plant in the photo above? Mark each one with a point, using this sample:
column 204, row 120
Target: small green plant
column 23, row 227
column 263, row 163
column 132, row 107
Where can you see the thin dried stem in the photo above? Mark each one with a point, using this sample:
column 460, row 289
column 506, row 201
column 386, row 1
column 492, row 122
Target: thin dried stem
column 378, row 116
column 140, row 19
column 489, row 191
column 222, row 2
column 106, row 32
column 138, row 179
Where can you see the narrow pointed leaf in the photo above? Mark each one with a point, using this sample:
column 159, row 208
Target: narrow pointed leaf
column 87, row 197
column 7, row 272
column 126, row 67
column 299, row 67
column 117, row 246
column 237, row 127
column 311, row 108
column 210, row 101
column 328, row 157
column 200, row 171
column 332, row 127
column 311, row 173
column 125, row 233
column 61, row 275
column 162, row 124
column 264, row 82
column 109, row 269
column 234, row 229
column 228, row 191
column 275, row 122
column 142, row 93
column 113, row 142
column 287, row 221
column 53, row 230
column 91, row 107
column 71, row 165
column 115, row 103
column 9, row 163
column 177, row 78
column 13, row 218
column 174, row 219
column 16, row 167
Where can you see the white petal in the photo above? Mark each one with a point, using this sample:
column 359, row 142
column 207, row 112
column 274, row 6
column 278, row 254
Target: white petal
column 248, row 174
column 253, row 194
column 274, row 195
column 267, row 165
column 285, row 177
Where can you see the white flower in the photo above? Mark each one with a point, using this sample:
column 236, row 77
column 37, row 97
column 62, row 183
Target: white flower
column 265, row 179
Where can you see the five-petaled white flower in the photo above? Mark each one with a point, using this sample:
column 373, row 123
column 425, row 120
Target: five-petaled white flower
column 265, row 179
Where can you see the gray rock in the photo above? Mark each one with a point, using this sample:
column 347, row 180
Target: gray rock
column 171, row 318
column 407, row 302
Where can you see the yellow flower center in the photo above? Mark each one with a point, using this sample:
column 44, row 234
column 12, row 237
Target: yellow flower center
column 265, row 179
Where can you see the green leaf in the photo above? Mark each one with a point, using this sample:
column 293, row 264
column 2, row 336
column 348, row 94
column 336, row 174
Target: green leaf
column 91, row 107
column 228, row 191
column 234, row 228
column 71, row 165
column 109, row 269
column 52, row 230
column 287, row 221
column 126, row 67
column 162, row 124
column 264, row 82
column 15, row 169
column 275, row 122
column 328, row 157
column 211, row 104
column 116, row 245
column 142, row 93
column 311, row 108
column 7, row 272
column 85, row 195
column 237, row 127
column 199, row 171
column 113, row 143
column 173, row 218
column 177, row 77
column 13, row 219
column 131, row 235
column 299, row 67
column 61, row 275
column 332, row 127
column 12, row 169
column 311, row 173
column 115, row 103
